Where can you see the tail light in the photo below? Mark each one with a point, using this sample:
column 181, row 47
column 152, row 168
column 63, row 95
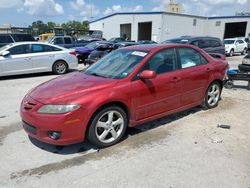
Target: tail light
column 73, row 53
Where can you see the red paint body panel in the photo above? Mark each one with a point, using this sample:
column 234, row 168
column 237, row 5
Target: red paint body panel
column 145, row 100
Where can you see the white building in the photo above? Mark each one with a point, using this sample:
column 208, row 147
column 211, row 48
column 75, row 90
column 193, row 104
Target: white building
column 159, row 26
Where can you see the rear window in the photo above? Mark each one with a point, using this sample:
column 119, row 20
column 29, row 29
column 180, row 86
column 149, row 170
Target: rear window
column 5, row 39
column 22, row 37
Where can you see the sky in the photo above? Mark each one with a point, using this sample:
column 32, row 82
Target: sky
column 23, row 12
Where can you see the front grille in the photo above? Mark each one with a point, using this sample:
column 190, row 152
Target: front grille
column 29, row 128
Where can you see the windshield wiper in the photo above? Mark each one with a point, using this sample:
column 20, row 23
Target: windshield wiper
column 95, row 74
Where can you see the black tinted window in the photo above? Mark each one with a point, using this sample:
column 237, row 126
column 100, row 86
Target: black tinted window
column 203, row 44
column 5, row 39
column 163, row 61
column 58, row 41
column 67, row 40
column 190, row 57
column 21, row 49
column 22, row 37
column 215, row 43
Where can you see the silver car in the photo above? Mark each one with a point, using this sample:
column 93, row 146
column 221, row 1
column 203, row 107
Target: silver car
column 34, row 57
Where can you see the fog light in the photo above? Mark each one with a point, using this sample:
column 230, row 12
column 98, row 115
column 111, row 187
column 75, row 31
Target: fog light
column 54, row 135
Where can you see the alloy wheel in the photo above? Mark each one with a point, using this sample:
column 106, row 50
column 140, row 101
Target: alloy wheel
column 109, row 126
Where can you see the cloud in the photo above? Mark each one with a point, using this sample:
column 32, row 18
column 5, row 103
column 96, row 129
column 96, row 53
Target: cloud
column 77, row 4
column 204, row 7
column 90, row 11
column 43, row 8
column 119, row 8
column 10, row 3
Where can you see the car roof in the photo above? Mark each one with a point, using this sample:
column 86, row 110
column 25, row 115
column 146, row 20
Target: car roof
column 156, row 47
column 34, row 42
column 194, row 38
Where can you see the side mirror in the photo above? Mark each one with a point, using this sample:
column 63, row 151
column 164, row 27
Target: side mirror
column 5, row 53
column 237, row 43
column 147, row 74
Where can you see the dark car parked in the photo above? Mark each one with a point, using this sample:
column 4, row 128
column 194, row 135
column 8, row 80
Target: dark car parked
column 8, row 38
column 209, row 44
column 84, row 52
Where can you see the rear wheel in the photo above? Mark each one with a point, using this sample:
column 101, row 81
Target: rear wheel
column 212, row 95
column 60, row 67
column 107, row 127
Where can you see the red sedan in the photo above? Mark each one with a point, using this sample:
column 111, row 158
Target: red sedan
column 127, row 87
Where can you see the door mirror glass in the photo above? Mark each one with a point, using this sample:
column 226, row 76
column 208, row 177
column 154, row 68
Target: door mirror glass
column 5, row 53
column 147, row 74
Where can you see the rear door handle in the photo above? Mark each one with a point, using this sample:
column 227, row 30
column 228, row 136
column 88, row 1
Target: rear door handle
column 27, row 58
column 209, row 70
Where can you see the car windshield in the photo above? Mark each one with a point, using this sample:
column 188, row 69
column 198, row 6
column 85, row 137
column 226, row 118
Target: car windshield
column 176, row 41
column 229, row 41
column 117, row 65
column 91, row 45
column 4, row 47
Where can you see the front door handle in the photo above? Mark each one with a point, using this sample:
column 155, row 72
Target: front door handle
column 27, row 58
column 176, row 79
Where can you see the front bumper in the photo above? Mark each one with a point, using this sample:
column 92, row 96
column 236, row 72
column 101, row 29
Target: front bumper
column 71, row 125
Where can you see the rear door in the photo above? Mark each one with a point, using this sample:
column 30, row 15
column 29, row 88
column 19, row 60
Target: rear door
column 194, row 75
column 18, row 62
column 43, row 56
column 161, row 94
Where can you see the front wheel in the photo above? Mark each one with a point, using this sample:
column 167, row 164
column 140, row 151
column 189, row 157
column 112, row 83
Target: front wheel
column 107, row 126
column 60, row 67
column 231, row 53
column 244, row 51
column 212, row 95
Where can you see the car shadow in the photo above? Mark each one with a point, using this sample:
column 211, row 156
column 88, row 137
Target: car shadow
column 86, row 146
column 31, row 75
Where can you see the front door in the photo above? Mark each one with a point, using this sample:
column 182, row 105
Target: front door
column 18, row 62
column 161, row 94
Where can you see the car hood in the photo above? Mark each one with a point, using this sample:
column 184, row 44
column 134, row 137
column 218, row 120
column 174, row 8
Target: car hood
column 63, row 88
column 83, row 49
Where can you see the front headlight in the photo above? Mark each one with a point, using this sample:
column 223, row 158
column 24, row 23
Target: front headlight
column 58, row 109
column 227, row 47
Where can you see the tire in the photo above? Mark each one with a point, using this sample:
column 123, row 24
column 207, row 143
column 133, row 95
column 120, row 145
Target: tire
column 60, row 67
column 229, row 84
column 231, row 53
column 103, row 131
column 248, row 85
column 212, row 95
column 244, row 68
column 244, row 52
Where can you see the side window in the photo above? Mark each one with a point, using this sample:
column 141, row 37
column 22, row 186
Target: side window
column 215, row 43
column 195, row 43
column 203, row 43
column 162, row 62
column 241, row 42
column 36, row 48
column 58, row 41
column 5, row 39
column 21, row 49
column 190, row 58
column 48, row 48
column 67, row 40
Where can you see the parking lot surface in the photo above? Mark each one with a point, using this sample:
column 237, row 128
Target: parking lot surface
column 186, row 149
